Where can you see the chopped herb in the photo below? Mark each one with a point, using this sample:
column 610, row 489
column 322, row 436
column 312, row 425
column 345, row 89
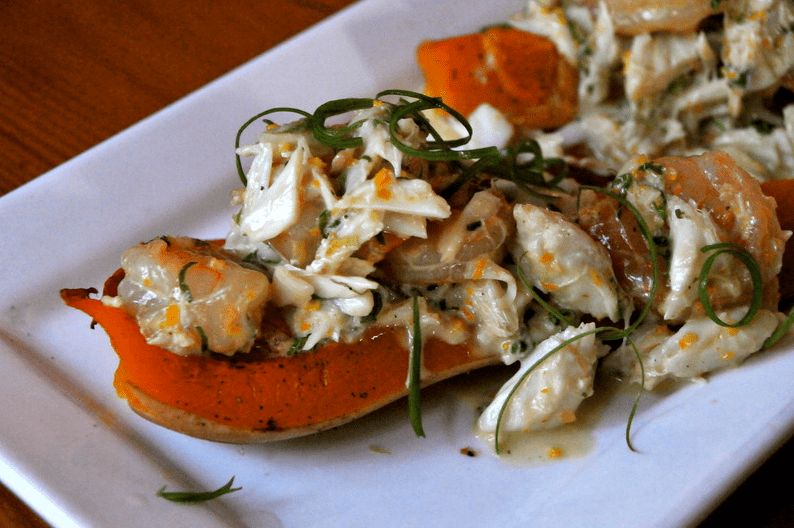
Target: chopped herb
column 762, row 126
column 679, row 83
column 190, row 497
column 182, row 284
column 562, row 318
column 577, row 36
column 717, row 123
column 741, row 79
column 250, row 258
column 652, row 167
column 297, row 345
column 203, row 336
column 661, row 208
column 322, row 222
column 623, row 181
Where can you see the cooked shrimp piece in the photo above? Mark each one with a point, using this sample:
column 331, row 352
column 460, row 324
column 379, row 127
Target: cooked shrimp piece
column 734, row 210
column 191, row 297
column 713, row 182
column 620, row 233
column 634, row 17
column 457, row 248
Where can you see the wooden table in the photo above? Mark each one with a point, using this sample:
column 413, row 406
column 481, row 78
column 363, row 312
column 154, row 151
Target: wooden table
column 74, row 72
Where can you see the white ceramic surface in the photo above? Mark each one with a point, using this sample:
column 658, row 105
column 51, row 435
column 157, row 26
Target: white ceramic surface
column 81, row 458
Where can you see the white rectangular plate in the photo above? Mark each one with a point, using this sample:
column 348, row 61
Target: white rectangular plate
column 80, row 457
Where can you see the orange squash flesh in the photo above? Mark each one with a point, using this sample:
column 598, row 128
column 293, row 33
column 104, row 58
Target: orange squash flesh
column 519, row 73
column 259, row 392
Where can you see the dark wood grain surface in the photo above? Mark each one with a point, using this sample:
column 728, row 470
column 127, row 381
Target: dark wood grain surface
column 75, row 72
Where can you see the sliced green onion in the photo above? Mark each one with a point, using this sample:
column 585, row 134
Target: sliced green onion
column 505, row 165
column 438, row 149
column 781, row 330
column 755, row 274
column 548, row 307
column 190, row 497
column 636, row 404
column 415, row 371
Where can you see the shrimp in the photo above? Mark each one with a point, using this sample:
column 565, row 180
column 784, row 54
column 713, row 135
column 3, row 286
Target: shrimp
column 190, row 296
column 457, row 247
column 703, row 200
column 635, row 17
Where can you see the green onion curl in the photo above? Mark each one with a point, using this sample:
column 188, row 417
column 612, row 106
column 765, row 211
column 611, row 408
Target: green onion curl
column 437, row 149
column 755, row 274
column 636, row 404
column 335, row 137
